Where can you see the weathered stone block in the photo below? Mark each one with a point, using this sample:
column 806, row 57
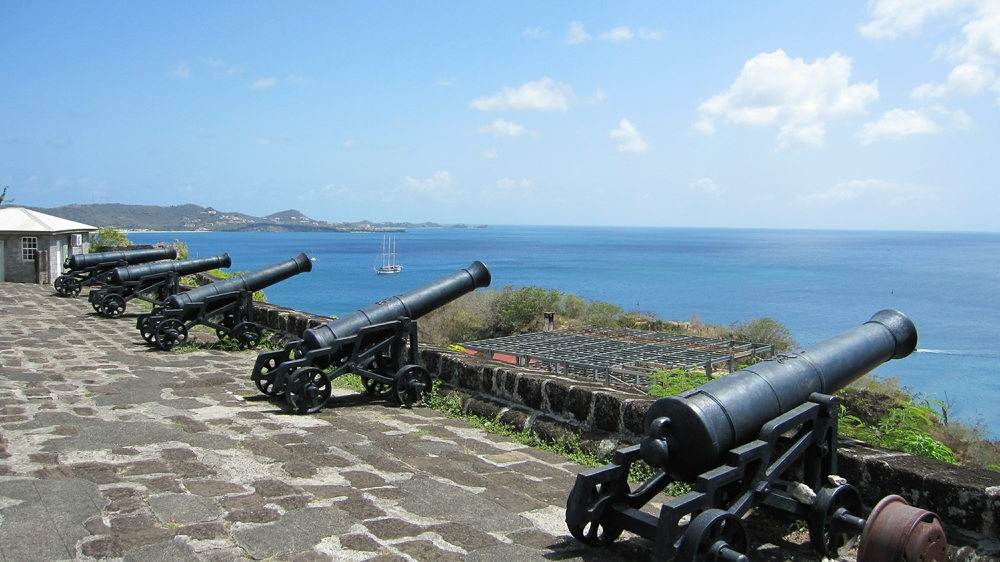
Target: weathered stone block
column 516, row 418
column 530, row 390
column 607, row 412
column 555, row 393
column 552, row 430
column 483, row 408
column 579, row 402
column 632, row 416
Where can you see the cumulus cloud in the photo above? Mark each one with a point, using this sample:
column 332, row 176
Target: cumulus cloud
column 706, row 185
column 617, row 34
column 575, row 34
column 890, row 192
column 501, row 128
column 628, row 137
column 349, row 143
column 488, row 154
column 535, row 32
column 543, row 95
column 264, row 83
column 436, row 186
column 773, row 89
column 182, row 71
column 220, row 68
column 651, row 34
column 975, row 53
column 597, row 97
column 443, row 82
column 300, row 80
column 897, row 124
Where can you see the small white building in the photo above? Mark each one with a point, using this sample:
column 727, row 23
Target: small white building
column 33, row 245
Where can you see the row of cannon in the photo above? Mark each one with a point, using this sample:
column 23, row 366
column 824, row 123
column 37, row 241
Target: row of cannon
column 764, row 437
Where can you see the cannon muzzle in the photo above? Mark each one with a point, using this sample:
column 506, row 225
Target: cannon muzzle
column 412, row 305
column 120, row 275
column 689, row 433
column 250, row 282
column 130, row 257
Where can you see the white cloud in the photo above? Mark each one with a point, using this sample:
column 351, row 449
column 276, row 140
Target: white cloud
column 975, row 53
column 543, row 95
column 442, row 82
column 221, row 69
column 535, row 32
column 501, row 128
column 629, row 139
column 349, row 143
column 182, row 71
column 522, row 186
column 773, row 89
column 872, row 191
column 436, row 186
column 651, row 34
column 959, row 119
column 896, row 124
column 575, row 34
column 264, row 83
column 617, row 34
column 597, row 97
column 300, row 80
column 488, row 154
column 706, row 185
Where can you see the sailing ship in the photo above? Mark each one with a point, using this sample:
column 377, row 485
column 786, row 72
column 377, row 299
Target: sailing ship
column 385, row 262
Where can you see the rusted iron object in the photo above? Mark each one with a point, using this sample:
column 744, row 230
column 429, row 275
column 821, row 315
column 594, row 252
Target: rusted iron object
column 898, row 532
column 150, row 282
column 378, row 343
column 764, row 436
column 226, row 306
column 84, row 270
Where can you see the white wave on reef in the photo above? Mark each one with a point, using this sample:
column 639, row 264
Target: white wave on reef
column 961, row 352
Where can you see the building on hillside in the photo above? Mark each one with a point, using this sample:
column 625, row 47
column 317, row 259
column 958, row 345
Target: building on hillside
column 33, row 245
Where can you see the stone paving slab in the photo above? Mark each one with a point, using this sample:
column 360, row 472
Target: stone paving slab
column 111, row 450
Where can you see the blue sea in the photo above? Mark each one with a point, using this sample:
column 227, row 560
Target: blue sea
column 817, row 283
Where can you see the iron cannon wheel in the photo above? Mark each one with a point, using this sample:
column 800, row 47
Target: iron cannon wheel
column 113, row 306
column 265, row 381
column 715, row 535
column 830, row 519
column 308, row 390
column 595, row 533
column 412, row 384
column 171, row 333
column 73, row 287
column 247, row 334
column 147, row 334
column 62, row 285
column 373, row 387
column 96, row 305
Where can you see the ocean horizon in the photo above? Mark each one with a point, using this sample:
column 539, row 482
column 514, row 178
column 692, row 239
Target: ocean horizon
column 818, row 283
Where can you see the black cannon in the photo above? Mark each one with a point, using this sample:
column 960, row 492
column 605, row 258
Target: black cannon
column 378, row 343
column 225, row 305
column 764, row 436
column 150, row 282
column 83, row 270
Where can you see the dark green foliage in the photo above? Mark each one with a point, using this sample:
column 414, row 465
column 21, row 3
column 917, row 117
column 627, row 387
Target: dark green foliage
column 763, row 330
column 517, row 311
column 4, row 195
column 110, row 237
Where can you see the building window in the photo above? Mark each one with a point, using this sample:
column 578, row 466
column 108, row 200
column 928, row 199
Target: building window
column 29, row 248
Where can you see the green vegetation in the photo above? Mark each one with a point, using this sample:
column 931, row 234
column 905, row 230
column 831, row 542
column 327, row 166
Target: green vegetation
column 258, row 296
column 675, row 381
column 3, row 195
column 763, row 330
column 109, row 237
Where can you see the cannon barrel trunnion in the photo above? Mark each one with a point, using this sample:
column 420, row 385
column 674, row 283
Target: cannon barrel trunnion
column 226, row 306
column 378, row 343
column 83, row 270
column 151, row 282
column 764, row 436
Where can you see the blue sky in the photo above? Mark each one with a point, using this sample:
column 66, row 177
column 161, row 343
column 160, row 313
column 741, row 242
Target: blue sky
column 848, row 115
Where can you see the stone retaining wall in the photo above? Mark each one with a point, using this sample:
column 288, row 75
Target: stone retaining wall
column 602, row 418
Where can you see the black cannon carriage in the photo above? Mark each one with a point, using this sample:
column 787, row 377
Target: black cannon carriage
column 378, row 343
column 225, row 305
column 84, row 270
column 150, row 282
column 764, row 436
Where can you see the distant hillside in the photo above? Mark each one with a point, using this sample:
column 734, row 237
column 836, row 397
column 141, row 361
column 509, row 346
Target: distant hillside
column 193, row 217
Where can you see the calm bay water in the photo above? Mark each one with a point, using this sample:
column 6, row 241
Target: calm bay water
column 818, row 283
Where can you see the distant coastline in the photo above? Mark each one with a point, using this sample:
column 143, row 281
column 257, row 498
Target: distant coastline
column 194, row 218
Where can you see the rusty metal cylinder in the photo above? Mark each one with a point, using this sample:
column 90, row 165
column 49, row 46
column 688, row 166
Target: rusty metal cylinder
column 130, row 257
column 250, row 282
column 691, row 432
column 412, row 305
column 898, row 532
column 120, row 275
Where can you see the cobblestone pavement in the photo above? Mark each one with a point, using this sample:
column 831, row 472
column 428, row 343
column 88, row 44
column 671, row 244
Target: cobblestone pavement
column 112, row 450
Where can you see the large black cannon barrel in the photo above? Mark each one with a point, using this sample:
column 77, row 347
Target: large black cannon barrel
column 412, row 305
column 83, row 261
column 253, row 281
column 691, row 432
column 120, row 275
